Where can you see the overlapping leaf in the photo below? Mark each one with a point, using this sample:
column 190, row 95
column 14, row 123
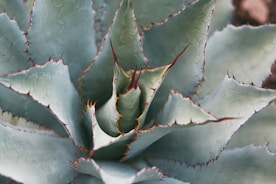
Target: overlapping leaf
column 258, row 130
column 253, row 65
column 188, row 27
column 12, row 46
column 16, row 9
column 50, row 85
column 244, row 165
column 113, row 172
column 124, row 35
column 35, row 157
column 63, row 29
column 179, row 115
column 200, row 144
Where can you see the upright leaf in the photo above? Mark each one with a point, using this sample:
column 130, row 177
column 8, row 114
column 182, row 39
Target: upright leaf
column 17, row 10
column 63, row 29
column 12, row 46
column 253, row 65
column 188, row 27
column 127, row 44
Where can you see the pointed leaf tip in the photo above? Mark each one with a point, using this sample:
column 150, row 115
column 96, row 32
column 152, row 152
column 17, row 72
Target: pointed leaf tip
column 177, row 57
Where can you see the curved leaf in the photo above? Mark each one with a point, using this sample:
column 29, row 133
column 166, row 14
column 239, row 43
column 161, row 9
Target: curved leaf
column 31, row 110
column 12, row 46
column 63, row 29
column 178, row 114
column 258, row 130
column 222, row 15
column 16, row 9
column 126, row 41
column 188, row 27
column 34, row 157
column 200, row 144
column 16, row 122
column 113, row 172
column 253, row 65
column 182, row 110
column 105, row 11
column 244, row 165
column 103, row 143
column 50, row 85
column 147, row 11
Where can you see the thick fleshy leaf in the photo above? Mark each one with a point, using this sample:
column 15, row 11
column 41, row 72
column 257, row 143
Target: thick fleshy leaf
column 16, row 122
column 258, row 45
column 50, row 85
column 182, row 110
column 244, row 165
column 177, row 113
column 258, row 130
column 35, row 158
column 147, row 11
column 113, row 172
column 200, row 144
column 102, row 139
column 31, row 110
column 63, row 29
column 12, row 46
column 16, row 9
column 222, row 15
column 188, row 27
column 105, row 11
column 129, row 107
column 131, row 97
column 126, row 41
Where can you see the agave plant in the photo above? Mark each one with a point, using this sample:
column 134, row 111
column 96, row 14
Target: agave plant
column 133, row 92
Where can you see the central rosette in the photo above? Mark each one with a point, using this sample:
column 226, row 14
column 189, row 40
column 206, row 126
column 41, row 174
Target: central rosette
column 132, row 95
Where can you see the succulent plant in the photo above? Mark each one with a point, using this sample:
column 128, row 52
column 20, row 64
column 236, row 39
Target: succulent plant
column 130, row 91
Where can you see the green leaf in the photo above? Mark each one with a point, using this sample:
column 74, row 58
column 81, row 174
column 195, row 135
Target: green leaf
column 222, row 16
column 63, row 29
column 31, row 110
column 103, row 143
column 34, row 157
column 147, row 11
column 50, row 85
column 200, row 144
column 17, row 10
column 182, row 110
column 258, row 130
column 244, row 165
column 105, row 11
column 188, row 27
column 257, row 44
column 129, row 107
column 178, row 114
column 127, row 44
column 12, row 46
column 113, row 172
column 16, row 122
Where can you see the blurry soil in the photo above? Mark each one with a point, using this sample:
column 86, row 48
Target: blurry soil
column 257, row 12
